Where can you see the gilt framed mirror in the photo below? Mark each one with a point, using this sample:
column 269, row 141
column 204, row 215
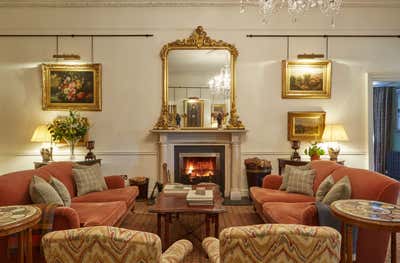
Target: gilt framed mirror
column 199, row 73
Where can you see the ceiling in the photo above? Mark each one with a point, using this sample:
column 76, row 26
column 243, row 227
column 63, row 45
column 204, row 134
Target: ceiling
column 158, row 3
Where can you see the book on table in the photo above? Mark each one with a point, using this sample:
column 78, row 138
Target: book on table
column 194, row 198
column 176, row 188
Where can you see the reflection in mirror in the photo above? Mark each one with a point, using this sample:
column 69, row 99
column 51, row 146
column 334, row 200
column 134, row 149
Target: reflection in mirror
column 199, row 85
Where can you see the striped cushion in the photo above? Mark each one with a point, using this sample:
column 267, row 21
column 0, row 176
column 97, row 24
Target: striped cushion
column 88, row 179
column 288, row 171
column 301, row 182
column 61, row 190
column 41, row 192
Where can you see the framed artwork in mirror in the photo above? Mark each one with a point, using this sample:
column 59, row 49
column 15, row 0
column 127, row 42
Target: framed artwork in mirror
column 305, row 79
column 306, row 125
column 194, row 113
column 217, row 109
column 75, row 87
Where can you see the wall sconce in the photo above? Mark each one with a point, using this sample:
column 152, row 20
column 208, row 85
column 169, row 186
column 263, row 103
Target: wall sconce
column 67, row 56
column 310, row 56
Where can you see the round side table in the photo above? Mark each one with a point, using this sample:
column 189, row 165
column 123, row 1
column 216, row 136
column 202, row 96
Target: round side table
column 366, row 214
column 19, row 220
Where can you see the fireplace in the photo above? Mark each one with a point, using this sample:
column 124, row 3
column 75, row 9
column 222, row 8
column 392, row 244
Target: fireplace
column 197, row 164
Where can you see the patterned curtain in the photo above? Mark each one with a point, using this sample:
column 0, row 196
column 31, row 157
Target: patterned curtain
column 382, row 107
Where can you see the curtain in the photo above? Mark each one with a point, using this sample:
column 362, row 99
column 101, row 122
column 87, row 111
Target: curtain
column 382, row 107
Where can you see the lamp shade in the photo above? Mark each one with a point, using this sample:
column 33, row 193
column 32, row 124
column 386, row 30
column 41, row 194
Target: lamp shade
column 334, row 133
column 41, row 134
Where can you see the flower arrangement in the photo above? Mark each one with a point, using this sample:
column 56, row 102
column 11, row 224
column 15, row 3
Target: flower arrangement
column 314, row 151
column 72, row 88
column 71, row 128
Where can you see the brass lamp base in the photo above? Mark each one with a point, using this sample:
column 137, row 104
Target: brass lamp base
column 333, row 154
column 47, row 154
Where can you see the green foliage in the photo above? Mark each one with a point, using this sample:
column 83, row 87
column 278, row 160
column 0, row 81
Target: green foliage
column 314, row 149
column 71, row 128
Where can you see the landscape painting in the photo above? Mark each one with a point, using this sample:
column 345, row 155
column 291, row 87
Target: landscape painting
column 71, row 87
column 305, row 126
column 306, row 79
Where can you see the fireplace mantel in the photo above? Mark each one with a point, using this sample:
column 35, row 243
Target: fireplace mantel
column 231, row 139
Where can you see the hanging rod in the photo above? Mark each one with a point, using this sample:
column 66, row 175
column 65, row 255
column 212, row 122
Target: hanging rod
column 344, row 36
column 77, row 35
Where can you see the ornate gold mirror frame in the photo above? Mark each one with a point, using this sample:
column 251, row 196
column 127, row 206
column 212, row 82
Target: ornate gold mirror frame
column 198, row 40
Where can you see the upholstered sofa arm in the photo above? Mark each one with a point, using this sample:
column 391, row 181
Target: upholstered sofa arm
column 272, row 181
column 211, row 247
column 65, row 218
column 114, row 181
column 280, row 242
column 177, row 252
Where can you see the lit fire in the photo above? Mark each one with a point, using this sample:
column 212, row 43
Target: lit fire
column 199, row 168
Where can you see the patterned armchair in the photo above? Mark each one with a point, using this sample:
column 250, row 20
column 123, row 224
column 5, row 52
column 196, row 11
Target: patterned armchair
column 275, row 243
column 110, row 244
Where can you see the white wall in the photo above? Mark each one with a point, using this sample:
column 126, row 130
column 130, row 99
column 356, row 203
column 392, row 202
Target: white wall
column 132, row 76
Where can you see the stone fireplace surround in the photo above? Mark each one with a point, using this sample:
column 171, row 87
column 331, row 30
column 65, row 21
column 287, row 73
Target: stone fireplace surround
column 230, row 139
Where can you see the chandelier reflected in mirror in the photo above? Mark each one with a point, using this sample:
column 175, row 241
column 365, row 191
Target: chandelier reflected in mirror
column 295, row 8
column 221, row 83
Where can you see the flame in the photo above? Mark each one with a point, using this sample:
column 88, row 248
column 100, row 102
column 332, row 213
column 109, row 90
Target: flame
column 200, row 167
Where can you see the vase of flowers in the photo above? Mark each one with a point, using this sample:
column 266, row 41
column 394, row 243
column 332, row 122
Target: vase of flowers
column 71, row 129
column 314, row 151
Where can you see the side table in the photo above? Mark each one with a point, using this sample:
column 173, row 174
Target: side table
column 366, row 214
column 83, row 162
column 19, row 220
column 283, row 162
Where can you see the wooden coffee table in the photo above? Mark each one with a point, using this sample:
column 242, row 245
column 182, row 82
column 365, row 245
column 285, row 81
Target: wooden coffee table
column 20, row 219
column 366, row 214
column 168, row 205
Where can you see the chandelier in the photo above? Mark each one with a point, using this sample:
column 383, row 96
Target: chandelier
column 296, row 8
column 221, row 83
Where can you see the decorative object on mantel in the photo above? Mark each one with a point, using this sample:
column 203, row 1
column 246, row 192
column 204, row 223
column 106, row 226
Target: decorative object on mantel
column 295, row 154
column 332, row 135
column 90, row 155
column 295, row 8
column 198, row 41
column 314, row 151
column 42, row 134
column 305, row 79
column 306, row 125
column 71, row 128
column 256, row 170
column 71, row 87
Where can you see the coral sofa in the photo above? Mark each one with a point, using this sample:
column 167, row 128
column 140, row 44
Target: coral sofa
column 277, row 206
column 108, row 207
column 274, row 243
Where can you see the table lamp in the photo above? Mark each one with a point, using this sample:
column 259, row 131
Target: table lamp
column 42, row 134
column 333, row 134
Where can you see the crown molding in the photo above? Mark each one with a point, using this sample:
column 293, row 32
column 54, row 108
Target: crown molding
column 167, row 3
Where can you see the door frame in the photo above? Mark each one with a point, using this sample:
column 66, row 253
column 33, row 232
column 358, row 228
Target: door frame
column 371, row 77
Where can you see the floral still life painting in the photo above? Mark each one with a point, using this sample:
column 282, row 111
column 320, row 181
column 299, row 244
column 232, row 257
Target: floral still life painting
column 306, row 79
column 71, row 87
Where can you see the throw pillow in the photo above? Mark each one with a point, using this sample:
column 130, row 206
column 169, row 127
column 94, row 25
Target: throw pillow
column 339, row 191
column 41, row 192
column 61, row 190
column 301, row 182
column 324, row 188
column 88, row 179
column 288, row 171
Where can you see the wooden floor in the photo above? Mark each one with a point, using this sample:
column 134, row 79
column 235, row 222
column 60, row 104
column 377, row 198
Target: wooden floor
column 235, row 216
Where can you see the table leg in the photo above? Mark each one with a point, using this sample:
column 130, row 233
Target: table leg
column 159, row 225
column 343, row 245
column 21, row 246
column 349, row 245
column 207, row 225
column 167, row 220
column 393, row 247
column 216, row 225
column 28, row 246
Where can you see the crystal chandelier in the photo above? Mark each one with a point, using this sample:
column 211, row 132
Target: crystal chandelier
column 296, row 8
column 221, row 83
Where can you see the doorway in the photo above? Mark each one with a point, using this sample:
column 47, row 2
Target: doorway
column 386, row 127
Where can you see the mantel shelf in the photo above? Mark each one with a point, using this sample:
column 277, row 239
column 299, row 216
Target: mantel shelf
column 199, row 131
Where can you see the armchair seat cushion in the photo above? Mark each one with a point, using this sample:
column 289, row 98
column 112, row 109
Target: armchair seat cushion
column 262, row 195
column 99, row 214
column 291, row 213
column 127, row 195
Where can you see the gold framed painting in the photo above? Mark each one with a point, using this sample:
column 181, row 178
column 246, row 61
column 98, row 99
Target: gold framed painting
column 305, row 79
column 194, row 113
column 306, row 125
column 75, row 87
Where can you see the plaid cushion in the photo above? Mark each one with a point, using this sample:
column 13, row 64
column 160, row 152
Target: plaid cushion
column 61, row 190
column 88, row 179
column 301, row 182
column 324, row 188
column 41, row 192
column 287, row 173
